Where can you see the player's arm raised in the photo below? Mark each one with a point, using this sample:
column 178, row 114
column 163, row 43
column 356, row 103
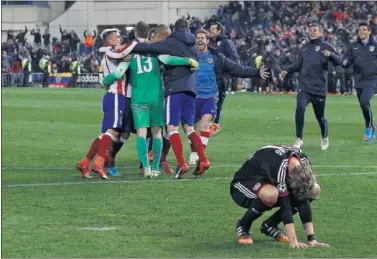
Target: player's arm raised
column 237, row 70
column 178, row 61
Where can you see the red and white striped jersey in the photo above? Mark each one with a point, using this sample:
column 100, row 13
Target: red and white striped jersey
column 111, row 60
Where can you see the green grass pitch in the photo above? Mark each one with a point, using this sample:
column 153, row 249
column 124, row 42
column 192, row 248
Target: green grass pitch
column 46, row 131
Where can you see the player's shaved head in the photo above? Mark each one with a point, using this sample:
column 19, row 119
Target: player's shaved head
column 142, row 30
column 161, row 32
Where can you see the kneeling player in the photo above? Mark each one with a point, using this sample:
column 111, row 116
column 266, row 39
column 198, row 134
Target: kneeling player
column 262, row 183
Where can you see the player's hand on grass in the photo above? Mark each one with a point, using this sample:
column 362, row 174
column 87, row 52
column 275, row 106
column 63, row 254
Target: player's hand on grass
column 263, row 72
column 193, row 64
column 298, row 245
column 315, row 243
column 284, row 74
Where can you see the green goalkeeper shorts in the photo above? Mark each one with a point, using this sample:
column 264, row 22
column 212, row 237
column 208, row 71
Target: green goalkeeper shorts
column 148, row 115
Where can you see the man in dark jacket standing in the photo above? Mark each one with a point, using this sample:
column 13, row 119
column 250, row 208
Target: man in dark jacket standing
column 227, row 48
column 212, row 66
column 180, row 92
column 363, row 56
column 313, row 67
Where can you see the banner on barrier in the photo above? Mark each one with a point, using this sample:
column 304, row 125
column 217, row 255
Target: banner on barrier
column 59, row 80
column 88, row 80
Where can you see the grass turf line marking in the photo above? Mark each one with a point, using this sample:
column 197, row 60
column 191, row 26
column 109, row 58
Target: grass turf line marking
column 99, row 228
column 156, row 181
column 215, row 166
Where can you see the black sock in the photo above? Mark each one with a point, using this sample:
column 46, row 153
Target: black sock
column 255, row 210
column 115, row 148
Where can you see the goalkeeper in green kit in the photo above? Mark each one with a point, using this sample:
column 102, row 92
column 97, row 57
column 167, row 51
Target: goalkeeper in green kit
column 147, row 97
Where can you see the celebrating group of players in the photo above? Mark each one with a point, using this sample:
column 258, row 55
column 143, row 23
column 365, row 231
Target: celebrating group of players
column 275, row 175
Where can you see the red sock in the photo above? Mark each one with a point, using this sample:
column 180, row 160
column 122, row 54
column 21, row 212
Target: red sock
column 204, row 135
column 93, row 149
column 165, row 149
column 104, row 146
column 192, row 146
column 197, row 142
column 177, row 145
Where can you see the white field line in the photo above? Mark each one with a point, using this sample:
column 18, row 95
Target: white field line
column 99, row 228
column 215, row 166
column 158, row 181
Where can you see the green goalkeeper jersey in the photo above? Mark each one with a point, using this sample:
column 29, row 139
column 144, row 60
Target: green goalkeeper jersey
column 146, row 80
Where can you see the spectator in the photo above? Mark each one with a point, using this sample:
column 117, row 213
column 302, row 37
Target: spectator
column 89, row 41
column 46, row 39
column 20, row 38
column 37, row 37
column 73, row 41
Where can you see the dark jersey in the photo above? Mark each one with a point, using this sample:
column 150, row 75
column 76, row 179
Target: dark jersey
column 269, row 165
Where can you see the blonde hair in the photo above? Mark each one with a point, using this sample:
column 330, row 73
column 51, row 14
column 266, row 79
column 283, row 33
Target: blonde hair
column 302, row 182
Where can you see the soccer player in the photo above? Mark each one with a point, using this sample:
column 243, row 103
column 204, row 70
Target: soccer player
column 212, row 66
column 312, row 65
column 270, row 226
column 226, row 47
column 363, row 56
column 161, row 32
column 262, row 182
column 147, row 101
column 180, row 91
column 114, row 106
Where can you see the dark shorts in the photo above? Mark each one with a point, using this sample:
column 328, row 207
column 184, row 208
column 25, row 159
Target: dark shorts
column 243, row 193
column 180, row 109
column 204, row 106
column 116, row 108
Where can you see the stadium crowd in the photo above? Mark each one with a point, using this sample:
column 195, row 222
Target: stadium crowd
column 272, row 30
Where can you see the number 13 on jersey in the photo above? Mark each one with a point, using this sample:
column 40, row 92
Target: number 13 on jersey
column 144, row 64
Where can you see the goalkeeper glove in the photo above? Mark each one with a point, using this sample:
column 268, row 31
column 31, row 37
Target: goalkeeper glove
column 193, row 64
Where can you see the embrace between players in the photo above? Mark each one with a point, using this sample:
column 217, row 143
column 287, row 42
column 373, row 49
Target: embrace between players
column 136, row 94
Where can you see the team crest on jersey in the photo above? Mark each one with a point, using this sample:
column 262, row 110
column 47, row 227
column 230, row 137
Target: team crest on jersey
column 317, row 48
column 210, row 60
column 256, row 187
column 371, row 48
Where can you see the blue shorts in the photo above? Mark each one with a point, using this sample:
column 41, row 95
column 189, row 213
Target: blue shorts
column 116, row 109
column 180, row 108
column 204, row 106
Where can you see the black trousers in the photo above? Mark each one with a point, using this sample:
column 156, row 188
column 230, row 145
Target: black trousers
column 25, row 81
column 348, row 82
column 319, row 103
column 45, row 79
column 342, row 79
column 364, row 95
